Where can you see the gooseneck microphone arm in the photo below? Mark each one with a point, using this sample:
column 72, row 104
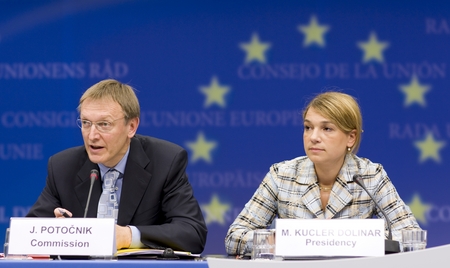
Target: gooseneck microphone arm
column 93, row 177
column 359, row 180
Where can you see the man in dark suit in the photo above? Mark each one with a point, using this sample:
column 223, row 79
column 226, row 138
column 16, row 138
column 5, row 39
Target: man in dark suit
column 156, row 204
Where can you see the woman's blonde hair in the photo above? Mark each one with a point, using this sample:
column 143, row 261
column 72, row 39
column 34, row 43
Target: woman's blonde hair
column 342, row 109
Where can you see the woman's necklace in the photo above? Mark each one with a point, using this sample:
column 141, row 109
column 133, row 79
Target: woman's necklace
column 324, row 189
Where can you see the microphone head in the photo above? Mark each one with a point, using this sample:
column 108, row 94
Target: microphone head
column 358, row 179
column 94, row 174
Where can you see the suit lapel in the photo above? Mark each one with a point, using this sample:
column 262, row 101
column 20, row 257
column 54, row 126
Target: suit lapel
column 135, row 182
column 82, row 190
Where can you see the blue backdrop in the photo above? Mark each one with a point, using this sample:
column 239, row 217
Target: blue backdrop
column 227, row 81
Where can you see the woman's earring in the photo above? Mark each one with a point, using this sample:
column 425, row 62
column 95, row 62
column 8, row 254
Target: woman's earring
column 349, row 149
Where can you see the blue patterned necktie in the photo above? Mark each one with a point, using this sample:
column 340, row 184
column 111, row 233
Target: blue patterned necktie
column 108, row 206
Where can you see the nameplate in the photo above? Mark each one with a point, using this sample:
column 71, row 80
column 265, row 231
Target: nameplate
column 329, row 238
column 69, row 236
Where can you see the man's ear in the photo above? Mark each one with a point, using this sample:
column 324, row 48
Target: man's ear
column 133, row 126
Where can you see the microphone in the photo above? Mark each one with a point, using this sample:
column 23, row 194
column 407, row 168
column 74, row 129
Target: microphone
column 93, row 177
column 390, row 246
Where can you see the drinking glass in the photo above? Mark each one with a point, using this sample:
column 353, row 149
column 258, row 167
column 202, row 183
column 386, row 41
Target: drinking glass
column 263, row 244
column 6, row 244
column 413, row 240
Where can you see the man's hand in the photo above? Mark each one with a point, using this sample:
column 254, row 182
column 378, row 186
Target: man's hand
column 62, row 213
column 123, row 236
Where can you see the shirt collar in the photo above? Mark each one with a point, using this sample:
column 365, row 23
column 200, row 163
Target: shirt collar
column 119, row 167
column 349, row 168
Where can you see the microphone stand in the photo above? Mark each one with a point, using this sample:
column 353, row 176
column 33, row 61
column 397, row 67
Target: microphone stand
column 390, row 246
column 93, row 177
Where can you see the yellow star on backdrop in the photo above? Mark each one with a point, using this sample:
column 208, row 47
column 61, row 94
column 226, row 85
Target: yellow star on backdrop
column 215, row 93
column 314, row 32
column 429, row 148
column 255, row 49
column 419, row 209
column 414, row 92
column 215, row 211
column 373, row 49
column 201, row 148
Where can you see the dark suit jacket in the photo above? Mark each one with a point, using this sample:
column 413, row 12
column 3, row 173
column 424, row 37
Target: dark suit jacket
column 156, row 195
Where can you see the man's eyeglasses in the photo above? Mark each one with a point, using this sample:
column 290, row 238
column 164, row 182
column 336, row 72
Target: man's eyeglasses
column 101, row 126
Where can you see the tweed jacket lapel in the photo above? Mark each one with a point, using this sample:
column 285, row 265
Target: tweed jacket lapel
column 342, row 194
column 311, row 197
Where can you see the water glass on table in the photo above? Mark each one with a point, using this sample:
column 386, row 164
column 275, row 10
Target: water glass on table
column 413, row 240
column 263, row 244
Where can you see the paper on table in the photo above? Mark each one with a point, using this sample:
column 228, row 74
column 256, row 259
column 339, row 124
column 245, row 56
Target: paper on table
column 150, row 251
